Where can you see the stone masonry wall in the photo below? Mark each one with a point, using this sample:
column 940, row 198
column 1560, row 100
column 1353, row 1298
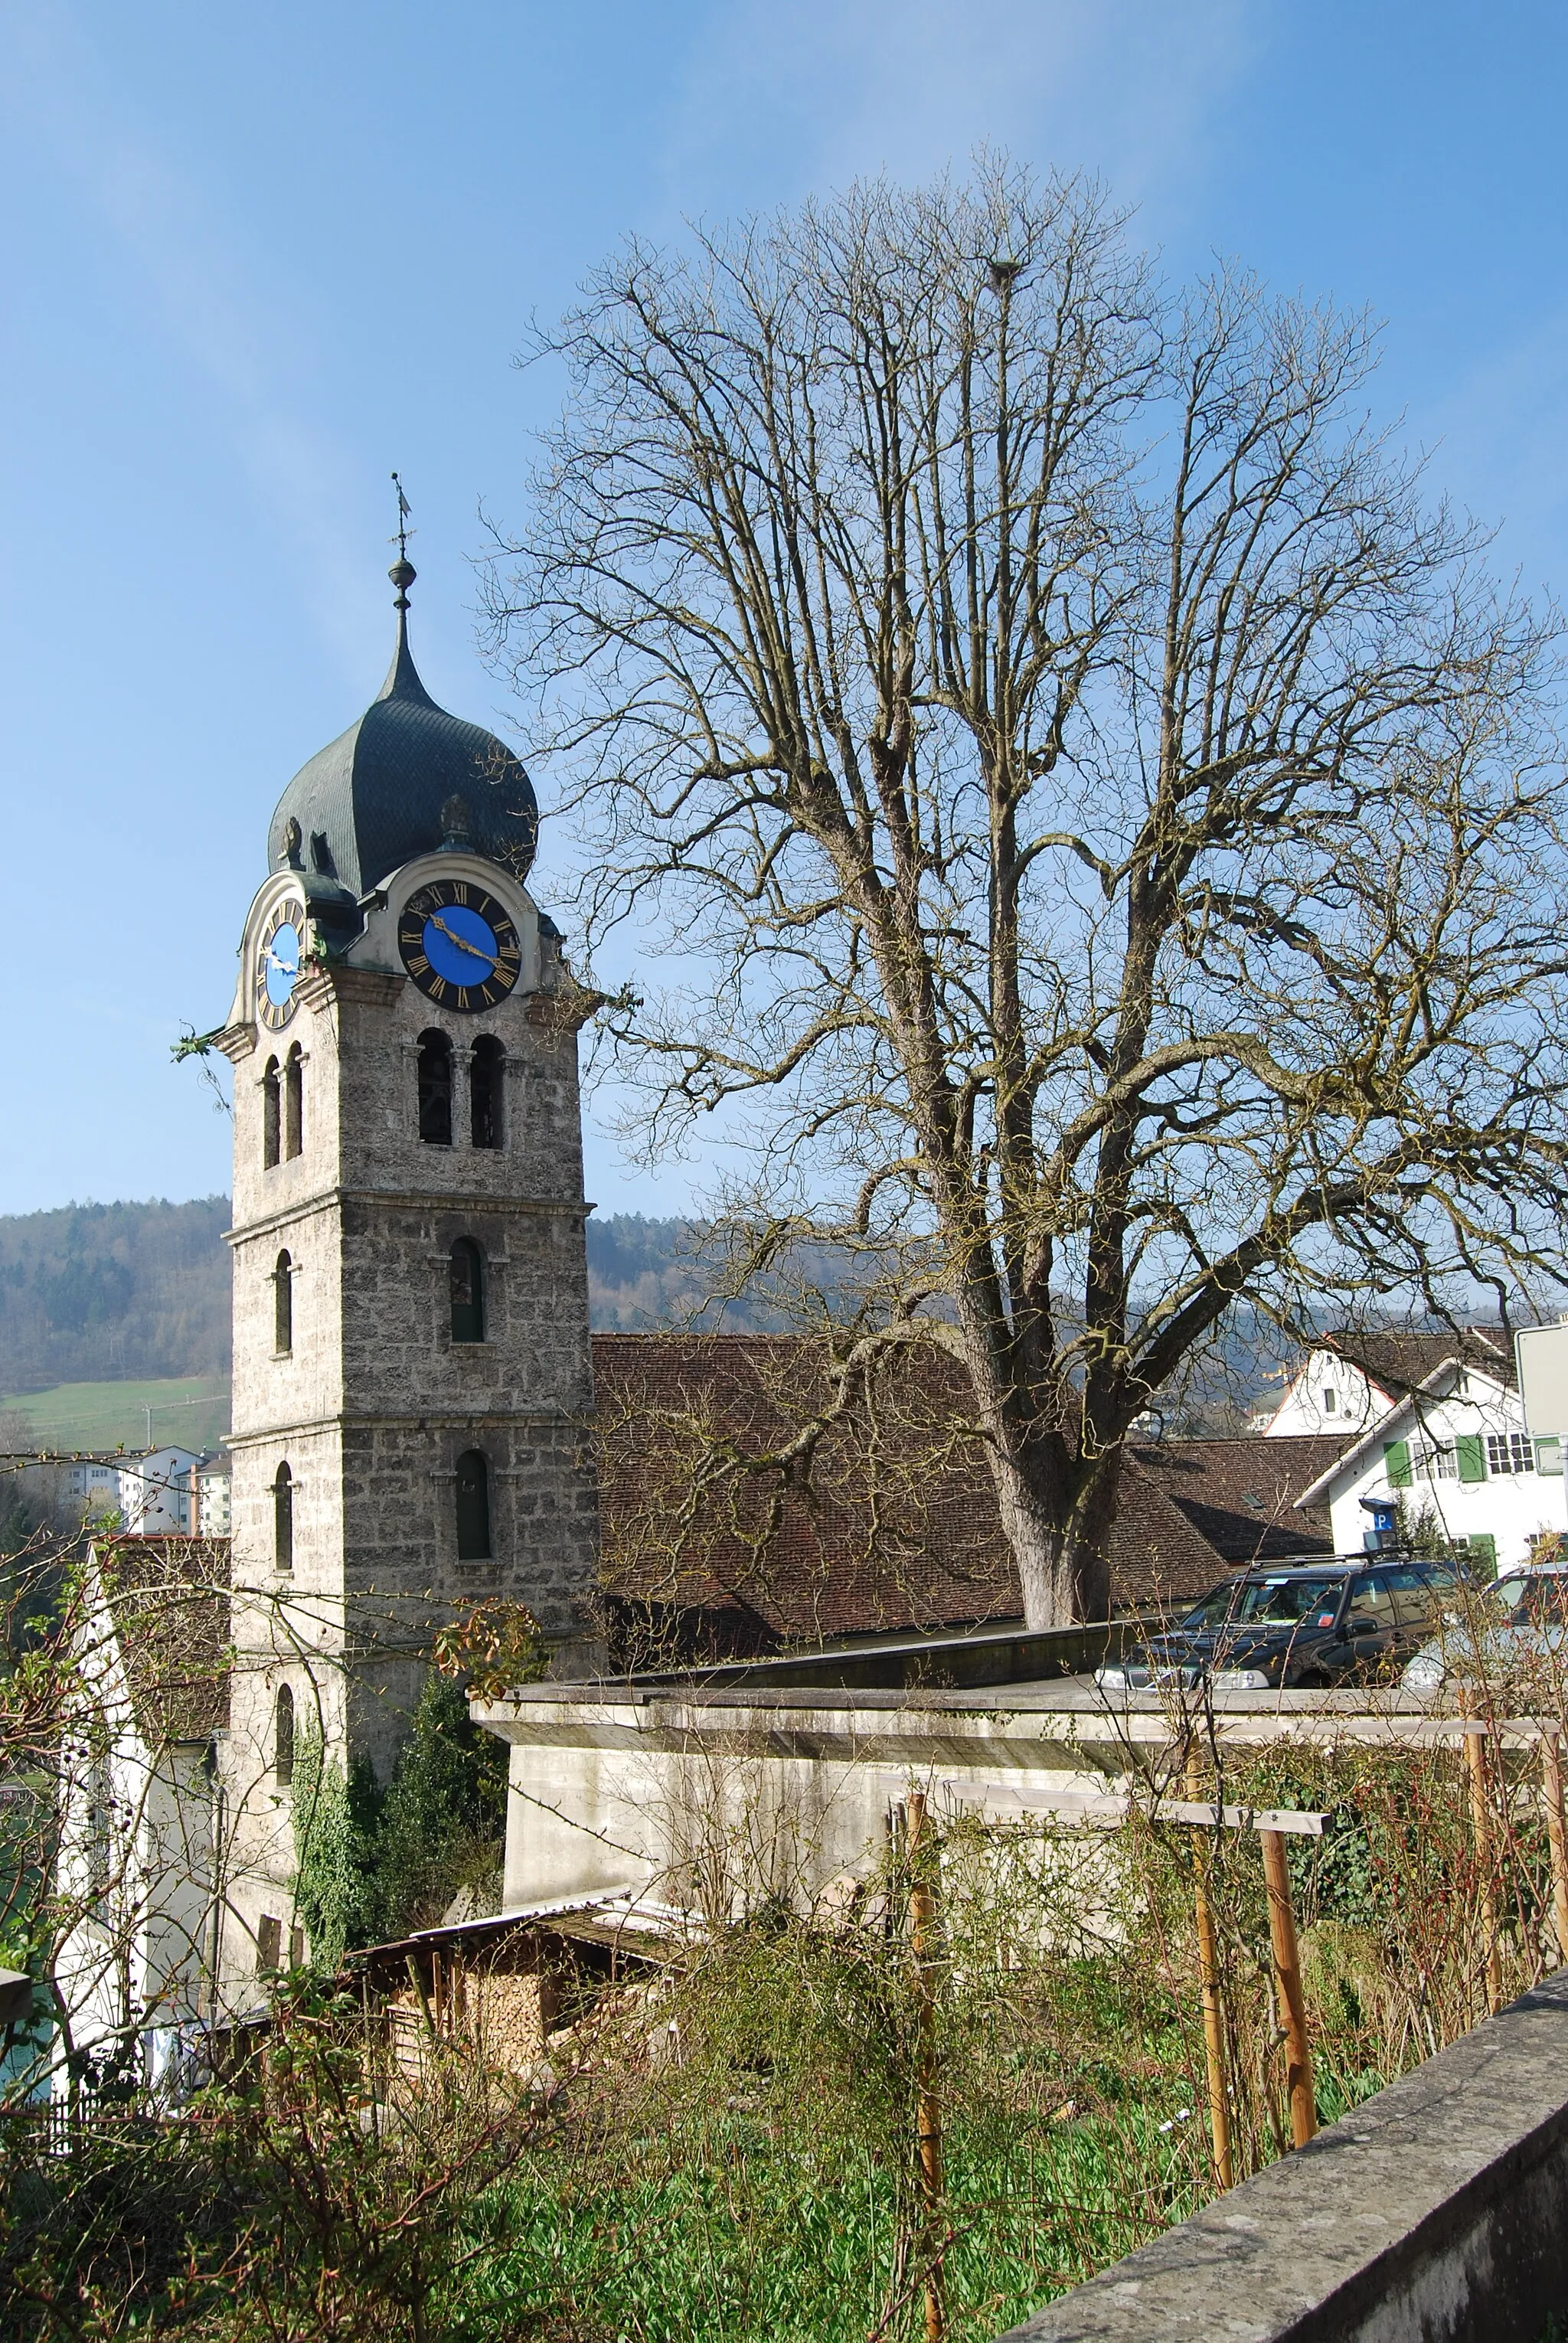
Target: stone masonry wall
column 375, row 1401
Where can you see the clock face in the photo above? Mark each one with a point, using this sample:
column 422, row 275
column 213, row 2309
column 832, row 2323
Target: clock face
column 277, row 963
column 459, row 944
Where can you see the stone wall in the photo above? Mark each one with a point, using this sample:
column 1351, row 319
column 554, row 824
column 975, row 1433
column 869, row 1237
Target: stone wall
column 373, row 1402
column 1436, row 2213
column 651, row 1784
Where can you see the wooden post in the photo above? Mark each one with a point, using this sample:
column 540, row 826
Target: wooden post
column 1288, row 1976
column 928, row 2109
column 1213, row 2012
column 1552, row 1791
column 1273, row 1825
column 1481, row 1826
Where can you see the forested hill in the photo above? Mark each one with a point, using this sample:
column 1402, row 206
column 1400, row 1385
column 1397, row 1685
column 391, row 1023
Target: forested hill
column 94, row 1292
column 132, row 1292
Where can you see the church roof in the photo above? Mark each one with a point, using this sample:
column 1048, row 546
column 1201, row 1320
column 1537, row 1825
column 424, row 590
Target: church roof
column 898, row 1527
column 380, row 793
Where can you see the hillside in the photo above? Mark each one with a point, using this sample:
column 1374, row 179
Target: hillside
column 190, row 1412
column 135, row 1292
column 123, row 1292
column 139, row 1293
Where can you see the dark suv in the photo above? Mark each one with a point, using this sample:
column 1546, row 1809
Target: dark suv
column 1306, row 1625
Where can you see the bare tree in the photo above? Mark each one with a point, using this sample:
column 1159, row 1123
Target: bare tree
column 1117, row 815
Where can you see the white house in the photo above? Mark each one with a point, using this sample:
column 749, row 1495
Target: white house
column 154, row 1493
column 1455, row 1447
column 168, row 1492
column 1349, row 1378
column 208, row 1506
column 138, row 1878
column 92, row 1489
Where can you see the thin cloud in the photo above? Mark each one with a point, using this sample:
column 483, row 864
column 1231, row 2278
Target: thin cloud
column 246, row 341
column 781, row 100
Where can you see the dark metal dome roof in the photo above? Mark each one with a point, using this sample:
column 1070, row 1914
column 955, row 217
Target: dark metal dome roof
column 381, row 793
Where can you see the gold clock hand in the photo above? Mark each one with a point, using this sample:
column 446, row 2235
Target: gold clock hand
column 462, row 942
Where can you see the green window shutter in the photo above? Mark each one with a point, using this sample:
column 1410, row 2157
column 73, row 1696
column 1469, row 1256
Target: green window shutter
column 1471, row 1456
column 1484, row 1552
column 1549, row 1454
column 1396, row 1456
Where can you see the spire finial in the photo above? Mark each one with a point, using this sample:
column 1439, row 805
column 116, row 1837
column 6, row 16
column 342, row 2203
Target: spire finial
column 402, row 572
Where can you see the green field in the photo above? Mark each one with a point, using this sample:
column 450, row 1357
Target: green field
column 189, row 1411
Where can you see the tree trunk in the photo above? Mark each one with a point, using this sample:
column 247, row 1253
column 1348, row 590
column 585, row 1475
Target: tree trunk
column 1061, row 1552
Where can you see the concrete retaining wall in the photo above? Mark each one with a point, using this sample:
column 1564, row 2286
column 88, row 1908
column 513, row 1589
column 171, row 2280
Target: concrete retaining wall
column 1436, row 2213
column 619, row 1784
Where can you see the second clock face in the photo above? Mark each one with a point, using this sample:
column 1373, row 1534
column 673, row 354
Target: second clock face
column 278, row 964
column 459, row 944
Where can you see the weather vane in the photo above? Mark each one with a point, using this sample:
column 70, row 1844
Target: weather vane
column 404, row 531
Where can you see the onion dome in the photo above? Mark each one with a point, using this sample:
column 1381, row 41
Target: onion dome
column 383, row 792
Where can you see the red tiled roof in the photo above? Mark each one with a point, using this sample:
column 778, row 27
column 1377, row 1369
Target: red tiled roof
column 168, row 1598
column 867, row 1540
column 895, row 1525
column 1240, row 1494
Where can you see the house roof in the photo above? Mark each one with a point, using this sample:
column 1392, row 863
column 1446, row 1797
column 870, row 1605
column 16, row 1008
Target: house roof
column 620, row 1917
column 1245, row 1497
column 168, row 1600
column 896, row 1526
column 893, row 1524
column 1402, row 1359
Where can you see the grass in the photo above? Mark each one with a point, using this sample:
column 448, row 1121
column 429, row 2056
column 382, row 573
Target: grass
column 189, row 1411
column 771, row 2240
column 755, row 2193
column 727, row 2153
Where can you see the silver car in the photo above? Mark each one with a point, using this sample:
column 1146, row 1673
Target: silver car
column 1523, row 1617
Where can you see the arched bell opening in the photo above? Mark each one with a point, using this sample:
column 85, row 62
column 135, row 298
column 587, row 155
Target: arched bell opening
column 435, row 1088
column 467, row 1292
column 473, row 1507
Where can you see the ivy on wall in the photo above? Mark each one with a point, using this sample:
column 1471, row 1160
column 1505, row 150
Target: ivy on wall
column 374, row 1864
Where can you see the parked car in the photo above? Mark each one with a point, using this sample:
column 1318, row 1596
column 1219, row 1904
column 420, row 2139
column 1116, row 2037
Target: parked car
column 1522, row 1617
column 1301, row 1625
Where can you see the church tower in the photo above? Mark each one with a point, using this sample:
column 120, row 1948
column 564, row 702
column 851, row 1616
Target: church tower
column 412, row 1377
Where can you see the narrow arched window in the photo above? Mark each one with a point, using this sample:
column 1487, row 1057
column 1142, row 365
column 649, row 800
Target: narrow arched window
column 282, row 1736
column 467, row 1292
column 487, row 1075
column 283, row 1518
column 283, row 1303
column 294, row 1102
column 435, row 1089
column 271, row 1116
column 473, row 1507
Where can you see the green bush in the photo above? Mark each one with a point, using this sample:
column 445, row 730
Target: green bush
column 375, row 1864
column 443, row 1821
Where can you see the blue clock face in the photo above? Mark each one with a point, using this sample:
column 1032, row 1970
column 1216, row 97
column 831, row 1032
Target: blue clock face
column 459, row 945
column 278, row 964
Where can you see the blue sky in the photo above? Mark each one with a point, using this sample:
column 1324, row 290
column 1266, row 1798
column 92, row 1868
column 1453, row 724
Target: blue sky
column 255, row 258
